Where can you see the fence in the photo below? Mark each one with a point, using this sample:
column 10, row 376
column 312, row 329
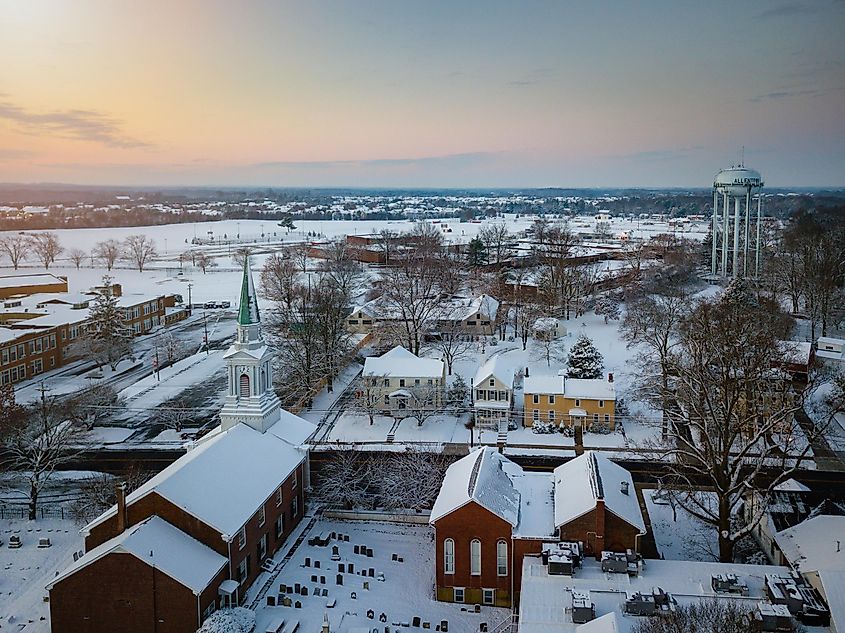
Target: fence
column 22, row 512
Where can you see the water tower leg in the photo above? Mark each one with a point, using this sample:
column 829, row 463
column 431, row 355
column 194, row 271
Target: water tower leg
column 714, row 226
column 725, row 235
column 759, row 219
column 735, row 270
column 745, row 243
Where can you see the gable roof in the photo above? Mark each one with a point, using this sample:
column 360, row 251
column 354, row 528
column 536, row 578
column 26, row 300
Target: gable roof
column 812, row 544
column 479, row 477
column 607, row 623
column 498, row 368
column 401, row 363
column 157, row 543
column 580, row 482
column 226, row 477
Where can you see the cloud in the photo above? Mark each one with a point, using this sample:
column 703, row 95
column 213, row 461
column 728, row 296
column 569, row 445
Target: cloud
column 791, row 9
column 784, row 94
column 447, row 159
column 665, row 154
column 8, row 153
column 84, row 125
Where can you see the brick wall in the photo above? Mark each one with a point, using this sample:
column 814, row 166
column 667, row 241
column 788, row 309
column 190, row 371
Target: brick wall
column 600, row 530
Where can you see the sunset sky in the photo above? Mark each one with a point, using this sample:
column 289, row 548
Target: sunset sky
column 398, row 93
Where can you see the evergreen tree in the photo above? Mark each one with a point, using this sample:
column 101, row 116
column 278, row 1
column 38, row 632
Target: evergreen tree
column 107, row 338
column 458, row 392
column 706, row 248
column 585, row 361
column 477, row 254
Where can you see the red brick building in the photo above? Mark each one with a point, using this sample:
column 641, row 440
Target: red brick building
column 194, row 537
column 490, row 514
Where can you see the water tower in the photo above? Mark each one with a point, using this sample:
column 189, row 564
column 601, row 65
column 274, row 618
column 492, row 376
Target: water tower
column 732, row 224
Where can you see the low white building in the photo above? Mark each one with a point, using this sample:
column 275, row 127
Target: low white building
column 829, row 347
column 493, row 392
column 403, row 380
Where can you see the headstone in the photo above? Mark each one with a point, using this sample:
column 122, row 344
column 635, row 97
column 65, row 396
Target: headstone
column 371, row 614
column 339, row 579
column 482, row 627
column 271, row 601
column 297, row 605
column 345, row 538
column 366, row 585
column 341, row 568
column 394, row 556
column 426, row 625
column 304, row 591
column 444, row 626
column 313, row 577
column 317, row 564
column 369, row 552
column 357, row 549
column 416, row 621
column 335, row 550
column 351, row 568
column 286, row 601
column 372, row 572
column 322, row 580
column 400, row 559
column 297, row 587
column 308, row 561
column 354, row 595
column 325, row 593
column 382, row 617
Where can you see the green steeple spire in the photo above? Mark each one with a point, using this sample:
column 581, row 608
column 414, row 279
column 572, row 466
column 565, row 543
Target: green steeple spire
column 248, row 307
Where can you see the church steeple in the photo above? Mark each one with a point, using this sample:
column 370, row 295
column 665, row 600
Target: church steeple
column 250, row 398
column 248, row 306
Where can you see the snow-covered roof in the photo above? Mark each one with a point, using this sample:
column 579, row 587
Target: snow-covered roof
column 829, row 340
column 536, row 503
column 607, row 623
column 450, row 308
column 579, row 483
column 589, row 389
column 157, row 543
column 543, row 384
column 795, row 352
column 498, row 368
column 400, row 363
column 814, row 544
column 227, row 476
column 38, row 279
column 479, row 477
column 790, row 485
column 833, row 588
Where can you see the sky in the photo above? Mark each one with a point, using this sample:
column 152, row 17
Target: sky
column 403, row 93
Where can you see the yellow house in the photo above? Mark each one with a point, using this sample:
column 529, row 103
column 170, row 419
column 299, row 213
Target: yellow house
column 569, row 401
column 492, row 397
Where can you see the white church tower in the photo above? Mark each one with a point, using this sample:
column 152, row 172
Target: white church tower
column 250, row 398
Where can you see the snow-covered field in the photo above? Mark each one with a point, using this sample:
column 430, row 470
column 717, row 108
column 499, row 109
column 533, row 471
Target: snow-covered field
column 678, row 534
column 24, row 572
column 399, row 590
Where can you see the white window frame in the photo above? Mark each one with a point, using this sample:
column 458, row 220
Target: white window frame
column 279, row 497
column 449, row 556
column 535, row 415
column 242, row 537
column 455, row 591
column 502, row 558
column 475, row 557
column 262, row 516
column 488, row 597
column 551, row 415
column 551, row 398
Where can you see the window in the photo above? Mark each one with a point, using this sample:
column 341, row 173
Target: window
column 387, row 382
column 459, row 594
column 551, row 399
column 502, row 558
column 448, row 556
column 280, row 526
column 596, row 418
column 551, row 415
column 536, row 398
column 294, row 507
column 492, row 382
column 606, row 418
column 479, row 394
column 244, row 386
column 293, row 480
column 262, row 516
column 353, row 321
column 208, row 610
column 503, row 396
column 401, row 382
column 535, row 415
column 279, row 497
column 261, row 549
column 242, row 538
column 243, row 570
column 416, row 382
column 488, row 596
column 601, row 403
column 475, row 557
column 387, row 400
column 577, row 402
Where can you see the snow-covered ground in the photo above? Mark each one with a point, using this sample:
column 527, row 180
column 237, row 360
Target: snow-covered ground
column 24, row 572
column 399, row 590
column 678, row 534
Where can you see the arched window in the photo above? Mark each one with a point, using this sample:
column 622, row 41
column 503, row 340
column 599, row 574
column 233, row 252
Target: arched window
column 263, row 381
column 475, row 557
column 449, row 556
column 502, row 558
column 244, row 386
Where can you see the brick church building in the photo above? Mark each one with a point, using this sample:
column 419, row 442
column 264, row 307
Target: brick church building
column 490, row 513
column 194, row 537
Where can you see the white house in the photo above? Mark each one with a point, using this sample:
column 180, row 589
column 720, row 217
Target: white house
column 829, row 347
column 403, row 380
column 468, row 315
column 493, row 392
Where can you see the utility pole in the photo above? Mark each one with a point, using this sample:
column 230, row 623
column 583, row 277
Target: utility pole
column 205, row 328
column 190, row 309
column 156, row 364
column 43, row 391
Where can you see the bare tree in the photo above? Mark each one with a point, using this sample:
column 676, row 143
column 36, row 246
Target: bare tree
column 344, row 481
column 705, row 616
column 175, row 415
column 41, row 443
column 452, row 344
column 386, row 237
column 279, row 278
column 107, row 252
column 299, row 256
column 46, row 247
column 550, row 347
column 98, row 494
column 341, row 269
column 16, row 248
column 369, row 398
column 732, row 418
column 410, row 480
column 205, row 261
column 77, row 256
column 497, row 241
column 239, row 256
column 425, row 402
column 139, row 249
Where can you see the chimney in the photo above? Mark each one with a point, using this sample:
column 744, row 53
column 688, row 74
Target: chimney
column 120, row 490
column 610, row 377
column 624, row 487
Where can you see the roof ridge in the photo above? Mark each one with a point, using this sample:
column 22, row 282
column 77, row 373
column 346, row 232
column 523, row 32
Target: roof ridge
column 595, row 476
column 473, row 476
